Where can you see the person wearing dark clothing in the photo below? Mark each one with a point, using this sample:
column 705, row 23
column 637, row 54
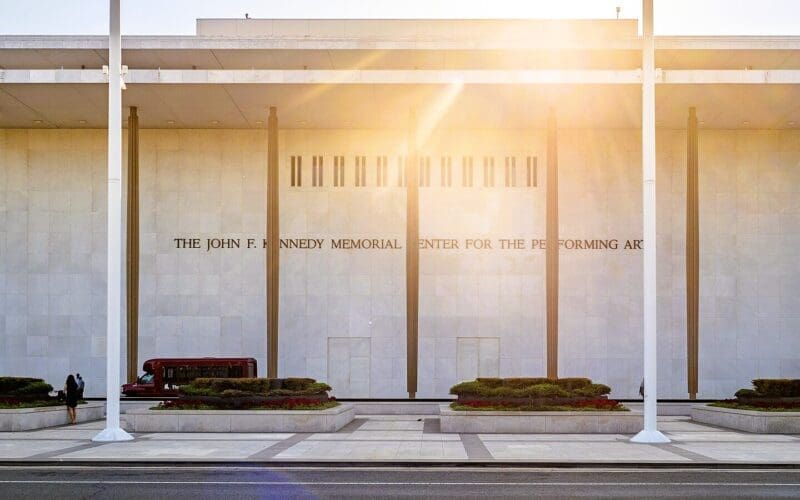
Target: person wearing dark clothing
column 71, row 392
column 81, row 385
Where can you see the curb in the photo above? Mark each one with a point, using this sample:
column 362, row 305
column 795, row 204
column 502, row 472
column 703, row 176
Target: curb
column 400, row 464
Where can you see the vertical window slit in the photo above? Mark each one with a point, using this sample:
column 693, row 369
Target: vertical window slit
column 401, row 171
column 467, row 171
column 488, row 171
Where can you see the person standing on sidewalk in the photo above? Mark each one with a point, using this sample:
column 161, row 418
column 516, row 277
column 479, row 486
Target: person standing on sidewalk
column 71, row 392
column 81, row 385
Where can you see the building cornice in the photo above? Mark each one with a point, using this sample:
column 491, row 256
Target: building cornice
column 100, row 42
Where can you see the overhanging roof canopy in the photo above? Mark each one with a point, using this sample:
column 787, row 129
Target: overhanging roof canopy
column 386, row 106
column 368, row 73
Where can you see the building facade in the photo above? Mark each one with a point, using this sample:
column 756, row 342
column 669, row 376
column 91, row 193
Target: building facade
column 467, row 102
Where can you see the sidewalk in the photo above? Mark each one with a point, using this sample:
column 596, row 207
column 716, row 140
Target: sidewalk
column 407, row 439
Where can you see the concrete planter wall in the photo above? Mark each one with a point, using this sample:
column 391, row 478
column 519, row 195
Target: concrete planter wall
column 26, row 419
column 329, row 420
column 762, row 422
column 540, row 422
column 396, row 407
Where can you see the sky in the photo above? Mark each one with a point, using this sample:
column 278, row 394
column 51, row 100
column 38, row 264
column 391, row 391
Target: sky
column 177, row 17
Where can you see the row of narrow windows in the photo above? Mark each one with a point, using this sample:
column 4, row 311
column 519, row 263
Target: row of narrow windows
column 525, row 176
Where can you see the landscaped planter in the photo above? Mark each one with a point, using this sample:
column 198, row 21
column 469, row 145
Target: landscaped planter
column 252, row 394
column 533, row 394
column 772, row 406
column 540, row 422
column 763, row 422
column 25, row 419
column 327, row 420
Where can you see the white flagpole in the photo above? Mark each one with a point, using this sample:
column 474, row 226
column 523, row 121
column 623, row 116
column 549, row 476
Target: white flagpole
column 650, row 433
column 113, row 432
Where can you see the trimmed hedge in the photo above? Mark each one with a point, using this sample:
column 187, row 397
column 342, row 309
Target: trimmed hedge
column 772, row 388
column 769, row 394
column 25, row 387
column 252, row 393
column 530, row 388
column 533, row 393
column 777, row 387
column 254, row 387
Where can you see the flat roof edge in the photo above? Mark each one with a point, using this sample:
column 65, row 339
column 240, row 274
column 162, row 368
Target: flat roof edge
column 230, row 42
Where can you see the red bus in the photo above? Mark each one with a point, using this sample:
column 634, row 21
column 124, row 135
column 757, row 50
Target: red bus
column 163, row 376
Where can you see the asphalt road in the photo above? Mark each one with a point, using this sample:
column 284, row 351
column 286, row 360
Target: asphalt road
column 196, row 482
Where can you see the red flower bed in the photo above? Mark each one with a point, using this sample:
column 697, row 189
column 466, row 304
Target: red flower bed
column 298, row 403
column 599, row 404
column 585, row 404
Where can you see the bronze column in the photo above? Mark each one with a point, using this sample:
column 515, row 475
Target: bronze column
column 132, row 254
column 273, row 243
column 412, row 257
column 692, row 255
column 551, row 248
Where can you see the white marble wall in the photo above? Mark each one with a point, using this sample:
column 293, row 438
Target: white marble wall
column 750, row 271
column 52, row 255
column 201, row 184
column 489, row 293
column 343, row 311
column 328, row 296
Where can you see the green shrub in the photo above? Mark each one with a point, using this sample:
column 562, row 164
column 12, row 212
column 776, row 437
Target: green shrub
column 777, row 388
column 316, row 388
column 297, row 384
column 39, row 388
column 9, row 385
column 593, row 390
column 244, row 387
column 281, row 392
column 465, row 388
column 218, row 385
column 571, row 384
column 530, row 387
column 234, row 393
column 191, row 390
column 498, row 391
column 746, row 393
column 490, row 382
column 543, row 391
column 518, row 382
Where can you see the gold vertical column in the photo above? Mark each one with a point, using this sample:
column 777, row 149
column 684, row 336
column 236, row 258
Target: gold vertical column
column 132, row 254
column 412, row 257
column 551, row 249
column 273, row 243
column 692, row 255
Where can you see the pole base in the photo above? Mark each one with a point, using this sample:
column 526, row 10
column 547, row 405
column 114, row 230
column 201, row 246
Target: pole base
column 110, row 434
column 650, row 437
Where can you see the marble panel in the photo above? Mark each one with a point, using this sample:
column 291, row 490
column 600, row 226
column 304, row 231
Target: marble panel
column 210, row 183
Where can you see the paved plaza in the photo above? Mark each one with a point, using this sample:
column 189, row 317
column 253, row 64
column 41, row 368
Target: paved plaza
column 406, row 438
